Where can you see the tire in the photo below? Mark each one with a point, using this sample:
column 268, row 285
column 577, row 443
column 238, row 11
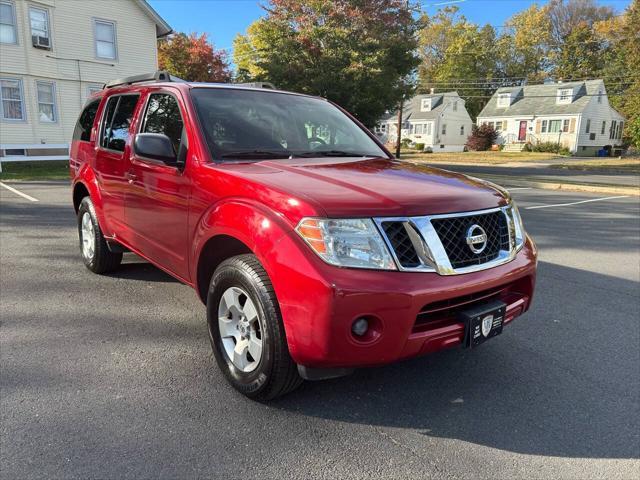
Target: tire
column 243, row 280
column 93, row 247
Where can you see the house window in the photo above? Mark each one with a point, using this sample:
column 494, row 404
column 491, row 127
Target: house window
column 544, row 126
column 46, row 92
column 620, row 127
column 444, row 129
column 498, row 126
column 565, row 95
column 455, row 106
column 8, row 32
column 425, row 105
column 588, row 127
column 604, row 127
column 105, row 33
column 12, row 106
column 565, row 125
column 554, row 126
column 39, row 20
column 612, row 130
column 504, row 100
column 461, row 129
column 599, row 97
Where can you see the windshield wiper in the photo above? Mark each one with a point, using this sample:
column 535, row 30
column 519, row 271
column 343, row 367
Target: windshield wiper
column 333, row 153
column 257, row 154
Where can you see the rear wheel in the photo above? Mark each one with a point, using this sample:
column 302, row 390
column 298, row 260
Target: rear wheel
column 246, row 330
column 94, row 249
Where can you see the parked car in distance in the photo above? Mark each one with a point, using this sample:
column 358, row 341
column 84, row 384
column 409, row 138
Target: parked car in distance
column 313, row 249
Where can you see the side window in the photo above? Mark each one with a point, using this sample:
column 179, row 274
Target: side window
column 163, row 116
column 85, row 122
column 117, row 121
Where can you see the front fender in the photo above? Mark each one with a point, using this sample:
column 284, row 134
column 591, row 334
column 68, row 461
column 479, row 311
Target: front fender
column 288, row 261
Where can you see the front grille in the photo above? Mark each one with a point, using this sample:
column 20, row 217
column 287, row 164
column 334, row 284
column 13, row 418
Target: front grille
column 453, row 232
column 401, row 243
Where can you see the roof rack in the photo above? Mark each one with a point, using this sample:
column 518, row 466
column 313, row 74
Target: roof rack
column 158, row 76
column 257, row 85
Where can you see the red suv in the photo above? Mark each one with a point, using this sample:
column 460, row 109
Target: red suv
column 314, row 250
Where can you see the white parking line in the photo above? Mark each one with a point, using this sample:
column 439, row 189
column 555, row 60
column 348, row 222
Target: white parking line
column 18, row 192
column 519, row 188
column 575, row 203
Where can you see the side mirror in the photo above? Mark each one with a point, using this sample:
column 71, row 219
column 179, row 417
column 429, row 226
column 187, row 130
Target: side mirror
column 155, row 146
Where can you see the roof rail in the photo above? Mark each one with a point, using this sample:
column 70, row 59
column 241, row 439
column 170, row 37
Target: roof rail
column 158, row 76
column 257, row 85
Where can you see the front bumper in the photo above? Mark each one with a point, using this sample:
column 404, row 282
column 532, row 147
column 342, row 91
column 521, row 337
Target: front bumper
column 410, row 313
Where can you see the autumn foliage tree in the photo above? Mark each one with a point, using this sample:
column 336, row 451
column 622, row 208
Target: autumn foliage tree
column 194, row 58
column 357, row 53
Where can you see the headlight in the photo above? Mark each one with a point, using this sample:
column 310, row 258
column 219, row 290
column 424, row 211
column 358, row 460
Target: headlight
column 347, row 243
column 518, row 228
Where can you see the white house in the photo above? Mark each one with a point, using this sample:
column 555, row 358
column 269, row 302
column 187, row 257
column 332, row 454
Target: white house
column 440, row 121
column 54, row 53
column 576, row 115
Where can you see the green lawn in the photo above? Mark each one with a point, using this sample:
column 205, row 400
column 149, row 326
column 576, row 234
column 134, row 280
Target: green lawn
column 490, row 158
column 43, row 170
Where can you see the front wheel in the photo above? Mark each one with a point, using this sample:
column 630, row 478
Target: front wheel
column 95, row 252
column 246, row 330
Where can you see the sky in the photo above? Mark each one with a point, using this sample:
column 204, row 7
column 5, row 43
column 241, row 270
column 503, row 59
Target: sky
column 222, row 20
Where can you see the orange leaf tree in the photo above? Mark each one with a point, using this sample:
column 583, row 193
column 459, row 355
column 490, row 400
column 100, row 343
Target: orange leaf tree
column 193, row 57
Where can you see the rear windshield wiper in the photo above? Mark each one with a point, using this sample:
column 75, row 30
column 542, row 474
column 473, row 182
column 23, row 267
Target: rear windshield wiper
column 257, row 154
column 333, row 153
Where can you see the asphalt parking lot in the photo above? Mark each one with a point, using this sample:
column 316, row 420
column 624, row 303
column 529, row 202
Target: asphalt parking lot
column 112, row 376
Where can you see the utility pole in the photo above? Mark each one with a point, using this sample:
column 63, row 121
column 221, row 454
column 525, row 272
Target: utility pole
column 399, row 138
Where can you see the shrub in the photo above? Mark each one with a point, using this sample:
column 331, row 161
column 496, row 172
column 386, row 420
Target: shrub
column 428, row 150
column 406, row 142
column 420, row 146
column 482, row 137
column 550, row 147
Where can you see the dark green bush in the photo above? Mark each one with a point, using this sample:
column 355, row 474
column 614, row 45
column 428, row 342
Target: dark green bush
column 420, row 146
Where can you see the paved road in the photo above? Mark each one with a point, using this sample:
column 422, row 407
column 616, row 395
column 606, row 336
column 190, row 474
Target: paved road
column 112, row 376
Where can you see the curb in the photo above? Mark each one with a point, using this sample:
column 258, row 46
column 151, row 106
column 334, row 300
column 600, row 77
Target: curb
column 574, row 187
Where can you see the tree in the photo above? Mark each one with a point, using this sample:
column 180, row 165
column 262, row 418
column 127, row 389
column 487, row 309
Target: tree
column 358, row 53
column 192, row 57
column 621, row 64
column 581, row 54
column 457, row 55
column 565, row 16
column 523, row 48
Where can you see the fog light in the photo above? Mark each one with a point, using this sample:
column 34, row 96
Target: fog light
column 360, row 327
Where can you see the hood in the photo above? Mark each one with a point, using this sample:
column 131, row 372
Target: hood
column 372, row 187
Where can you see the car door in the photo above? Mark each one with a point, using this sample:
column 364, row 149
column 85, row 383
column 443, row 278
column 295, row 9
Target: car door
column 112, row 159
column 157, row 198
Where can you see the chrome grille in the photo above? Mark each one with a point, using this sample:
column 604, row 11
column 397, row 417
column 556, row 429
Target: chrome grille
column 438, row 243
column 401, row 244
column 453, row 231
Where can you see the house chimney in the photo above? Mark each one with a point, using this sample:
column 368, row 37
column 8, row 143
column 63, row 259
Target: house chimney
column 432, row 91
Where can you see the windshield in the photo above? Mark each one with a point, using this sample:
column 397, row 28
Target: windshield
column 255, row 125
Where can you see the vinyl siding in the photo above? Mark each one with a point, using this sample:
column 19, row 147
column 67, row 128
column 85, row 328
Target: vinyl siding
column 598, row 113
column 72, row 36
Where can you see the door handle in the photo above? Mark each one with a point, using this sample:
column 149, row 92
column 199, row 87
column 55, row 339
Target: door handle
column 130, row 176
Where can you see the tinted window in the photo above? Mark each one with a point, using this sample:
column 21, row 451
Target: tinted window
column 108, row 117
column 117, row 130
column 85, row 122
column 257, row 124
column 163, row 116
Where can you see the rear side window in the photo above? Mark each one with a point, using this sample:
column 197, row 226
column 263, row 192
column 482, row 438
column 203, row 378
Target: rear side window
column 85, row 122
column 163, row 116
column 117, row 121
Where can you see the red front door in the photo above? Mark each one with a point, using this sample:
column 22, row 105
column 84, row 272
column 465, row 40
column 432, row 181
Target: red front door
column 522, row 133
